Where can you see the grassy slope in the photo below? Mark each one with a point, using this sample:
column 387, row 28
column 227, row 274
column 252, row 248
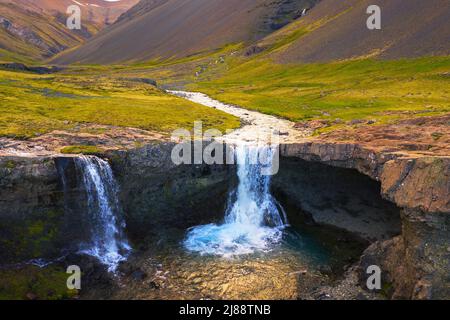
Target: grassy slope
column 8, row 56
column 33, row 104
column 348, row 90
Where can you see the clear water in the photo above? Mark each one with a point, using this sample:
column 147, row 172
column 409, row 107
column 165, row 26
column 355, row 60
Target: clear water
column 254, row 220
column 108, row 243
column 306, row 257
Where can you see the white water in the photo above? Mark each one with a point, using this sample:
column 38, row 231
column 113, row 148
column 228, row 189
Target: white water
column 108, row 243
column 258, row 127
column 254, row 221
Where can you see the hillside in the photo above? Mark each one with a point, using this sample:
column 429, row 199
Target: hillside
column 336, row 30
column 176, row 28
column 36, row 29
column 101, row 12
column 328, row 68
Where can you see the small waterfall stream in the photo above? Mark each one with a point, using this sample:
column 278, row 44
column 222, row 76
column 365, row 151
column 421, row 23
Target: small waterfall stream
column 254, row 220
column 108, row 243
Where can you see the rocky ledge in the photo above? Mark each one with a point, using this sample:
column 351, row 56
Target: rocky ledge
column 42, row 200
column 416, row 264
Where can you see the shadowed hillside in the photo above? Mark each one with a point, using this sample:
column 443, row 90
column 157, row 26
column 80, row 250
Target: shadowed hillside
column 176, row 28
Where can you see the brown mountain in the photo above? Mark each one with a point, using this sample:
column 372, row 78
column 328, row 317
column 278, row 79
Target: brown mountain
column 100, row 12
column 176, row 28
column 37, row 29
column 336, row 30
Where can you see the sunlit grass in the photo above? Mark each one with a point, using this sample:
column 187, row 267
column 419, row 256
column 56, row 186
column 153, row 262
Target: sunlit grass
column 362, row 89
column 81, row 149
column 32, row 105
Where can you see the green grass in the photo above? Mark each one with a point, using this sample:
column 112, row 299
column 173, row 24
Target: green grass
column 360, row 89
column 31, row 105
column 364, row 89
column 8, row 56
column 81, row 149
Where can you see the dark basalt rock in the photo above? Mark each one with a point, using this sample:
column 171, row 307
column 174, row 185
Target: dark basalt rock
column 22, row 67
column 157, row 194
column 151, row 82
column 285, row 11
column 43, row 205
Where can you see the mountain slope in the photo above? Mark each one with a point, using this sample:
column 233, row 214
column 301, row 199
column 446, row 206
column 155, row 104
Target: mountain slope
column 37, row 29
column 178, row 28
column 336, row 30
column 100, row 12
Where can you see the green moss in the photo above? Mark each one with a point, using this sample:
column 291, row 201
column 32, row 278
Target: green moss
column 10, row 164
column 386, row 289
column 35, row 237
column 139, row 144
column 80, row 149
column 36, row 228
column 31, row 281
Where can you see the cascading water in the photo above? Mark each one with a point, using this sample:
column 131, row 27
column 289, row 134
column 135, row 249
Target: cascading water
column 254, row 220
column 108, row 243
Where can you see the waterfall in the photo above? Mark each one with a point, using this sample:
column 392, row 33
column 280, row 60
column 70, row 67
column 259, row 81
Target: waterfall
column 108, row 242
column 254, row 220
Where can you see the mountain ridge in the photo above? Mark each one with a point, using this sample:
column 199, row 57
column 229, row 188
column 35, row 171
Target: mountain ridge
column 332, row 30
column 162, row 29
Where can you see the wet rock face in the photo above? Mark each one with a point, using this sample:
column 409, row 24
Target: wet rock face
column 339, row 197
column 156, row 194
column 31, row 209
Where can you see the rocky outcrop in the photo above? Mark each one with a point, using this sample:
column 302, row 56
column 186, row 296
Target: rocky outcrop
column 417, row 263
column 157, row 194
column 31, row 209
column 21, row 67
column 29, row 36
column 339, row 197
column 284, row 12
column 43, row 204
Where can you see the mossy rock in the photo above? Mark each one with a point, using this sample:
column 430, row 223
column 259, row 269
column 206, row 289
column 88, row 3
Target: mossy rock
column 32, row 282
column 10, row 164
column 36, row 237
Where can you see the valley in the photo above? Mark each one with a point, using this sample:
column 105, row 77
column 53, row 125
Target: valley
column 357, row 123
